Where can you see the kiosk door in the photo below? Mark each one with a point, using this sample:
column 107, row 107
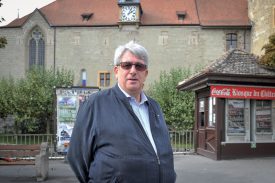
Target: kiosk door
column 201, row 124
column 206, row 136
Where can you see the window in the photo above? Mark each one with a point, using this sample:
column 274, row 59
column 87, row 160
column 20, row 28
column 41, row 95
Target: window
column 235, row 117
column 163, row 38
column 231, row 41
column 181, row 15
column 201, row 112
column 36, row 49
column 263, row 116
column 86, row 16
column 212, row 112
column 104, row 79
column 83, row 77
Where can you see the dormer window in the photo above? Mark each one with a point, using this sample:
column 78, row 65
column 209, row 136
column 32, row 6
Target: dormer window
column 181, row 15
column 86, row 16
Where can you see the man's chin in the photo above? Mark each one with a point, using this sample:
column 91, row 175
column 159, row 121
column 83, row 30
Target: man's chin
column 134, row 88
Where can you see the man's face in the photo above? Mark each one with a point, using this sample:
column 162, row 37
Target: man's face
column 130, row 79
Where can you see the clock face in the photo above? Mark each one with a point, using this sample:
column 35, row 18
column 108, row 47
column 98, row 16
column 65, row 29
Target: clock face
column 128, row 13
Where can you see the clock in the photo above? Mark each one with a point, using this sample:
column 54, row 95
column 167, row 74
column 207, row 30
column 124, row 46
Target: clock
column 129, row 13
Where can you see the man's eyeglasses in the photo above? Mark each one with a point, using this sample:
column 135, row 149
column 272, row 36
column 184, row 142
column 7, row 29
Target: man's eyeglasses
column 128, row 66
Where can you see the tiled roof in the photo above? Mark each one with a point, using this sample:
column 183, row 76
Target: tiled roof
column 155, row 12
column 223, row 12
column 238, row 62
column 18, row 22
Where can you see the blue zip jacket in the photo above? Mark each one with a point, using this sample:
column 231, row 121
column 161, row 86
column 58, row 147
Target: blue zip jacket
column 109, row 144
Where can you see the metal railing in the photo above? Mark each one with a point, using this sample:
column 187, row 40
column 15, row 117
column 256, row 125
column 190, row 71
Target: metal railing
column 182, row 141
column 28, row 139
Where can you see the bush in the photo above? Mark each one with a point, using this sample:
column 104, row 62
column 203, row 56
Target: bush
column 178, row 107
column 7, row 104
column 32, row 98
column 268, row 59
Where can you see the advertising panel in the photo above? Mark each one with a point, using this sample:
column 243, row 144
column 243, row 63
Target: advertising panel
column 235, row 117
column 68, row 101
column 242, row 92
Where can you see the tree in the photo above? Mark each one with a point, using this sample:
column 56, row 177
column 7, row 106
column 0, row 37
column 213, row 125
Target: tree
column 6, row 97
column 31, row 100
column 1, row 18
column 3, row 40
column 36, row 106
column 178, row 107
column 268, row 59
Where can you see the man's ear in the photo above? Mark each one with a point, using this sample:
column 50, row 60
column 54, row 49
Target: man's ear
column 146, row 72
column 116, row 71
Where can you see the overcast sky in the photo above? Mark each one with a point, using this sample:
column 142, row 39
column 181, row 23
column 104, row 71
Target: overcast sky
column 9, row 9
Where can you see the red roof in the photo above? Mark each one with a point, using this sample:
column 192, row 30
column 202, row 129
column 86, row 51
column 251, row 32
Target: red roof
column 155, row 12
column 223, row 12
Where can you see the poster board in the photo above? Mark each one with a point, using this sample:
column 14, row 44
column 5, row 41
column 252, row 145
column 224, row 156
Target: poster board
column 235, row 117
column 68, row 101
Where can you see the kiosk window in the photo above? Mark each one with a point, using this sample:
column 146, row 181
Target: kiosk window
column 263, row 116
column 201, row 112
column 212, row 111
column 235, row 117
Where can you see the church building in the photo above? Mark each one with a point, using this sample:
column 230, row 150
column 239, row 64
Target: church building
column 82, row 36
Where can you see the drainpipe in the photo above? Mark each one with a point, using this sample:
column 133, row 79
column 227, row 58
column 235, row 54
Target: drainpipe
column 54, row 49
column 244, row 39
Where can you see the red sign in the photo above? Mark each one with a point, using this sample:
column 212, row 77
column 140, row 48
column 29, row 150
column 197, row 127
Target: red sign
column 242, row 92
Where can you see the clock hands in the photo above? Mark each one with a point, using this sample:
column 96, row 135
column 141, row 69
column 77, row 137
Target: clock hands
column 128, row 13
column 131, row 10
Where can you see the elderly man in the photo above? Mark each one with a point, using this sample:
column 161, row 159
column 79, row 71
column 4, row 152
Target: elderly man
column 120, row 135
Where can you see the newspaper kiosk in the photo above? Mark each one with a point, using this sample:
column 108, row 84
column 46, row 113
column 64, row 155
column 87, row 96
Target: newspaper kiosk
column 235, row 107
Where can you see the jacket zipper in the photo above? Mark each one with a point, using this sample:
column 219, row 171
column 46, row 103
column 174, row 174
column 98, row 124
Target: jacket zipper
column 145, row 135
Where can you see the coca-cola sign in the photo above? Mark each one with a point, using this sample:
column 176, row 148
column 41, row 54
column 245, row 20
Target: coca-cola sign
column 242, row 92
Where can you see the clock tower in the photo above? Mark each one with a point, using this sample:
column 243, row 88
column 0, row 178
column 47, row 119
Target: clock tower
column 129, row 12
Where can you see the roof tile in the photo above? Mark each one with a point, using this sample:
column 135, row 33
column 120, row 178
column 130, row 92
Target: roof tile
column 155, row 12
column 238, row 62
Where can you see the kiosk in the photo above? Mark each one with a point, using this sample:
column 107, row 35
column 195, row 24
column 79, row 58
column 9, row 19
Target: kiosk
column 234, row 107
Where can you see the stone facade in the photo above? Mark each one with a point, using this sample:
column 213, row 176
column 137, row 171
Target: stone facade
column 262, row 16
column 92, row 48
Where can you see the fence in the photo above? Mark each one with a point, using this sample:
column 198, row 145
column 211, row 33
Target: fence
column 29, row 139
column 182, row 141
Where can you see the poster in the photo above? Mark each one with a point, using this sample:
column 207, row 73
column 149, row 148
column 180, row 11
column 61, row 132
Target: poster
column 263, row 116
column 68, row 101
column 235, row 117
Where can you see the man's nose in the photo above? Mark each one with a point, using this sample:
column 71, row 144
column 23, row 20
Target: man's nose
column 133, row 68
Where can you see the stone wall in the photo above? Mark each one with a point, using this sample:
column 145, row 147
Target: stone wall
column 261, row 14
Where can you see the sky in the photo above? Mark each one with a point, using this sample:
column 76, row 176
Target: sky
column 10, row 8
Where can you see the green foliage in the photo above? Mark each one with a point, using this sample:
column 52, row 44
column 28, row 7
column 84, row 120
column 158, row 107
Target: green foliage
column 268, row 59
column 178, row 107
column 6, row 97
column 3, row 40
column 33, row 98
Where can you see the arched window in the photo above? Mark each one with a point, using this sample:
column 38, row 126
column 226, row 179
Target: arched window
column 36, row 49
column 32, row 52
column 41, row 52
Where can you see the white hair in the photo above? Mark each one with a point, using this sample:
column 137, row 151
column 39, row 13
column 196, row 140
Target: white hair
column 136, row 49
